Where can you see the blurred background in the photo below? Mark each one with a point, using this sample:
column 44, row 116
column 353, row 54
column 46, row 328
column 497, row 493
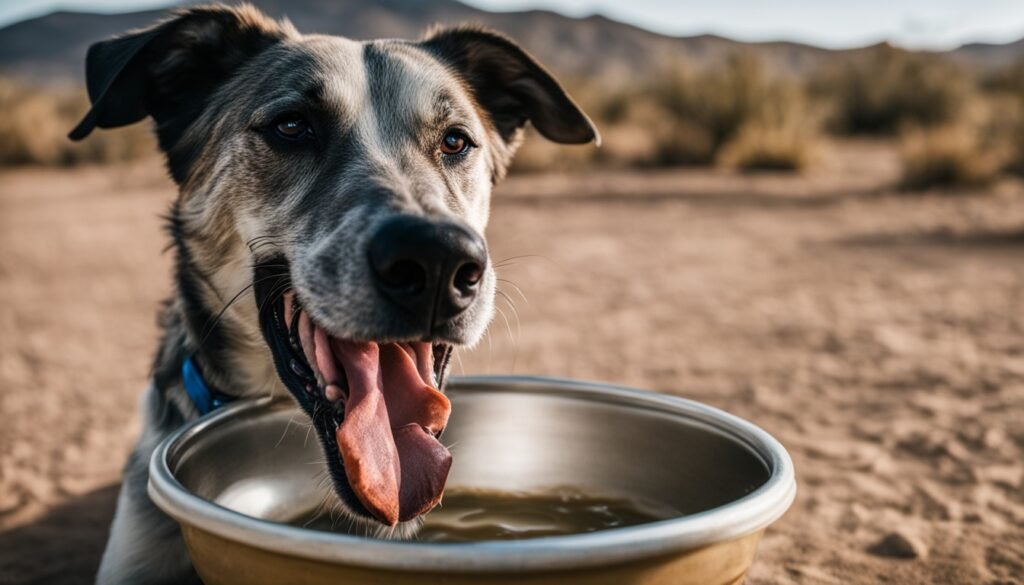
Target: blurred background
column 811, row 215
column 749, row 86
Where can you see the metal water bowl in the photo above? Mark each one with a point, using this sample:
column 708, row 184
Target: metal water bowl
column 235, row 478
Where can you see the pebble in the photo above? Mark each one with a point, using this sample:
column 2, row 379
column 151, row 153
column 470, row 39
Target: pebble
column 994, row 438
column 900, row 545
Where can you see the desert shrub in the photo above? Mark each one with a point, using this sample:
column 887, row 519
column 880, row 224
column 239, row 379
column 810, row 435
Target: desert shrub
column 1015, row 154
column 784, row 136
column 885, row 88
column 1006, row 80
column 709, row 108
column 952, row 155
column 35, row 122
column 984, row 142
column 652, row 134
column 735, row 113
column 1004, row 93
column 764, row 147
column 680, row 116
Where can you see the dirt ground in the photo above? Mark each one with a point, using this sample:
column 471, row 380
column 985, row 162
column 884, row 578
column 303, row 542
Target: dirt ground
column 878, row 335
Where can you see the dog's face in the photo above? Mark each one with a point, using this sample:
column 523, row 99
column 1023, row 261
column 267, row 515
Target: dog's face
column 348, row 184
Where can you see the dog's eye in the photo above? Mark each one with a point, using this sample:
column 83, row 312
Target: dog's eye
column 293, row 127
column 454, row 143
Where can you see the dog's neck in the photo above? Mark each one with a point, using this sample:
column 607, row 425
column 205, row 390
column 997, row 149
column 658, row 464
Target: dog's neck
column 218, row 331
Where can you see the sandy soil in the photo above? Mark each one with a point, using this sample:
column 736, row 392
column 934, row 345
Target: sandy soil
column 879, row 335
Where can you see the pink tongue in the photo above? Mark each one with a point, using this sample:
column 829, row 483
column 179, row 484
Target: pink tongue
column 394, row 463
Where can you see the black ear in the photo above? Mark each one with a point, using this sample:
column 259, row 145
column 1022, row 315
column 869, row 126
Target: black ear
column 167, row 70
column 511, row 85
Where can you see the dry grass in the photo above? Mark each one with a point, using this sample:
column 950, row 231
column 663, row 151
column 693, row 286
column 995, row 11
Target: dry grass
column 36, row 120
column 763, row 147
column 985, row 141
column 1004, row 90
column 1015, row 158
column 948, row 156
column 736, row 115
column 784, row 137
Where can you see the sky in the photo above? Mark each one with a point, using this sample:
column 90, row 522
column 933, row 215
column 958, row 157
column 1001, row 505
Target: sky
column 933, row 24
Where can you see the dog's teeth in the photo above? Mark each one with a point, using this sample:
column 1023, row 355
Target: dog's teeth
column 288, row 310
column 333, row 393
column 297, row 368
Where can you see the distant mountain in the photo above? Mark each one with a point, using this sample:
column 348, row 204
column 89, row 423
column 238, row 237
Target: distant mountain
column 991, row 55
column 53, row 46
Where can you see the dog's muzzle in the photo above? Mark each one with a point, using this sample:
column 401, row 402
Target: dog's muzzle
column 376, row 407
column 431, row 269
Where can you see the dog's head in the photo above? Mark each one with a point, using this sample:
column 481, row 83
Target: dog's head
column 348, row 184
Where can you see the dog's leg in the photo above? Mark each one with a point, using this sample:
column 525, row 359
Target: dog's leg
column 145, row 546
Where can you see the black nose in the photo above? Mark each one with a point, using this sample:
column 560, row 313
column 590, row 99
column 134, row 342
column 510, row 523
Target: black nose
column 432, row 268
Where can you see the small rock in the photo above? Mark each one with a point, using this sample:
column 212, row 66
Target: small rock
column 973, row 517
column 899, row 545
column 994, row 438
column 897, row 341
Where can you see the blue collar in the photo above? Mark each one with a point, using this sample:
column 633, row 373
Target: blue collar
column 205, row 399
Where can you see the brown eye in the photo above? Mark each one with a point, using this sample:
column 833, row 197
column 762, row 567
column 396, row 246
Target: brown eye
column 293, row 127
column 454, row 143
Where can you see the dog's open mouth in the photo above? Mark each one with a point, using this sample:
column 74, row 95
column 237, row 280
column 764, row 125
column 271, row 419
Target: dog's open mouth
column 377, row 407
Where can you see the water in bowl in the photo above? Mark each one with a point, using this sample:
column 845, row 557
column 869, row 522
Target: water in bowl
column 477, row 515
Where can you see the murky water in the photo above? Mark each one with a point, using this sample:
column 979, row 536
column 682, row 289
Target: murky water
column 468, row 516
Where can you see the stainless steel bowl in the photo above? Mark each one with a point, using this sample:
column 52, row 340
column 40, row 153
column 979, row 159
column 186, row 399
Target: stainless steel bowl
column 232, row 478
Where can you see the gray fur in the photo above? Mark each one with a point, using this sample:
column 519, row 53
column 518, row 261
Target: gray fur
column 380, row 109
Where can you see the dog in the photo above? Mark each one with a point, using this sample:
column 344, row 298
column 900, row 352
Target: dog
column 328, row 238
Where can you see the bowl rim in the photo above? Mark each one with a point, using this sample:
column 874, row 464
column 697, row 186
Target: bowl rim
column 751, row 513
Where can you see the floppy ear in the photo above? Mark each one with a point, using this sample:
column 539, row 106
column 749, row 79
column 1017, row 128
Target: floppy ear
column 511, row 85
column 166, row 71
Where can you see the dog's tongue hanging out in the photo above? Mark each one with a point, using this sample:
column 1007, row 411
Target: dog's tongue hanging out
column 393, row 460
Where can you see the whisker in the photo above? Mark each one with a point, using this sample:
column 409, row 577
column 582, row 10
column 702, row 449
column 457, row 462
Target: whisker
column 269, row 240
column 305, row 440
column 213, row 322
column 515, row 310
column 508, row 326
column 275, row 294
column 490, row 349
column 285, row 432
column 503, row 262
column 458, row 358
column 519, row 328
column 514, row 260
column 515, row 286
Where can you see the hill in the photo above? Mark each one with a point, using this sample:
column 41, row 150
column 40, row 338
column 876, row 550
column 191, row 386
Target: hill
column 53, row 46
